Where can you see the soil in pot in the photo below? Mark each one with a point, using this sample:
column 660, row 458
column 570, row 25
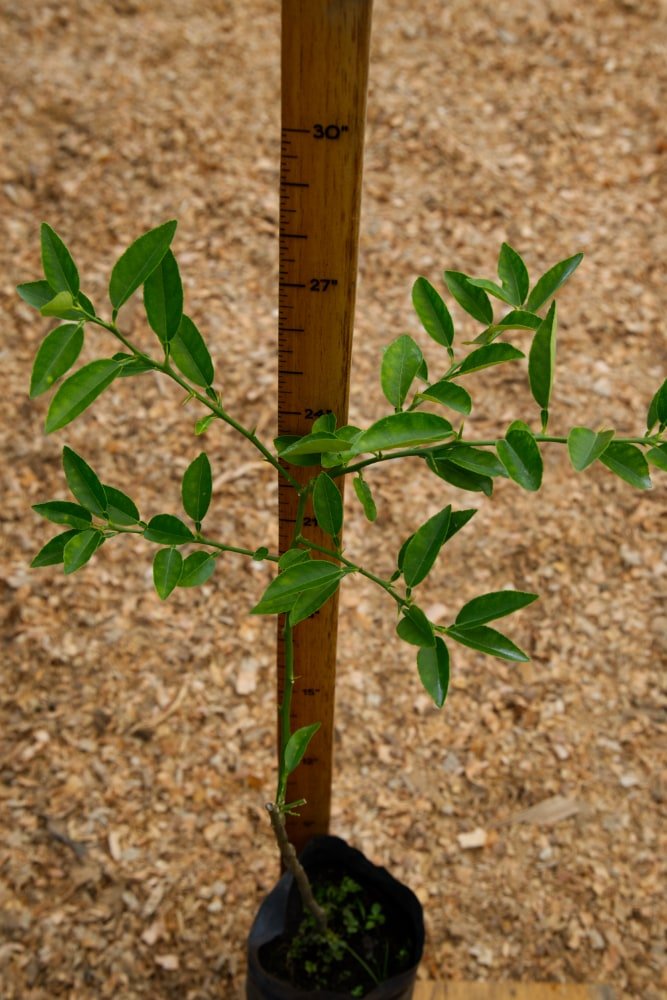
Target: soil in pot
column 368, row 945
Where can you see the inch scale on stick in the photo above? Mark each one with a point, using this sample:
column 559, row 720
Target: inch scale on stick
column 325, row 52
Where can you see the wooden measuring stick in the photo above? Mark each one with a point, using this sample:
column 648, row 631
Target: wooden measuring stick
column 325, row 51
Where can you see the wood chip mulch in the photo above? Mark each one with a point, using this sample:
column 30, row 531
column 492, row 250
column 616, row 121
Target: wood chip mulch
column 136, row 737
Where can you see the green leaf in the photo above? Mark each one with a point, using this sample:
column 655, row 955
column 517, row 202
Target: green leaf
column 365, row 497
column 79, row 391
column 658, row 457
column 311, row 601
column 449, row 394
column 197, row 488
column 63, row 306
column 260, row 554
column 327, row 422
column 542, row 359
column 552, row 280
column 477, row 460
column 657, row 411
column 433, row 313
column 198, row 567
column 517, row 319
column 461, row 478
column 310, row 444
column 120, row 508
column 191, row 355
column 401, row 361
column 297, row 745
column 59, row 268
column 424, row 547
column 488, row 640
column 167, row 568
column 475, row 301
column 80, row 548
column 403, row 430
column 166, row 529
column 484, row 357
column 458, row 520
column 138, row 262
column 415, row 628
column 163, row 298
column 584, row 446
column 292, row 557
column 56, row 355
column 84, row 484
column 521, row 456
column 53, row 552
column 488, row 607
column 131, row 365
column 35, row 293
column 493, row 289
column 628, row 462
column 202, row 425
column 282, row 593
column 513, row 274
column 328, row 505
column 433, row 667
column 64, row 512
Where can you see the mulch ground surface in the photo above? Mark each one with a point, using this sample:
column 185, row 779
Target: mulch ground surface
column 137, row 737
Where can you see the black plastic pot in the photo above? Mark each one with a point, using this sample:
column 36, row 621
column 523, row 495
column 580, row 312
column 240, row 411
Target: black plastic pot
column 272, row 919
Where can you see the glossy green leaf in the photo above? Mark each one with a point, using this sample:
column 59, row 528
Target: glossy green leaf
column 365, row 498
column 328, row 505
column 201, row 426
column 297, row 745
column 131, row 365
column 513, row 274
column 59, row 268
column 521, row 456
column 488, row 607
column 198, row 567
column 463, row 479
column 138, row 262
column 80, row 548
column 292, row 557
column 197, row 488
column 424, row 547
column 493, row 289
column 78, row 391
column 311, row 601
column 401, row 552
column 658, row 456
column 64, row 512
column 403, row 430
column 657, row 411
column 458, row 520
column 166, row 529
column 449, row 394
column 415, row 628
column 35, row 293
column 84, row 484
column 475, row 301
column 551, row 281
column 488, row 640
column 282, row 593
column 401, row 361
column 628, row 462
column 56, row 355
column 63, row 306
column 477, row 460
column 517, row 319
column 584, row 446
column 326, row 422
column 52, row 553
column 163, row 298
column 310, row 444
column 167, row 568
column 542, row 359
column 433, row 667
column 260, row 554
column 433, row 313
column 190, row 354
column 485, row 357
column 120, row 508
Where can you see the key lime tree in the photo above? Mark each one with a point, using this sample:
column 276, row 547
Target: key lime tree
column 427, row 420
